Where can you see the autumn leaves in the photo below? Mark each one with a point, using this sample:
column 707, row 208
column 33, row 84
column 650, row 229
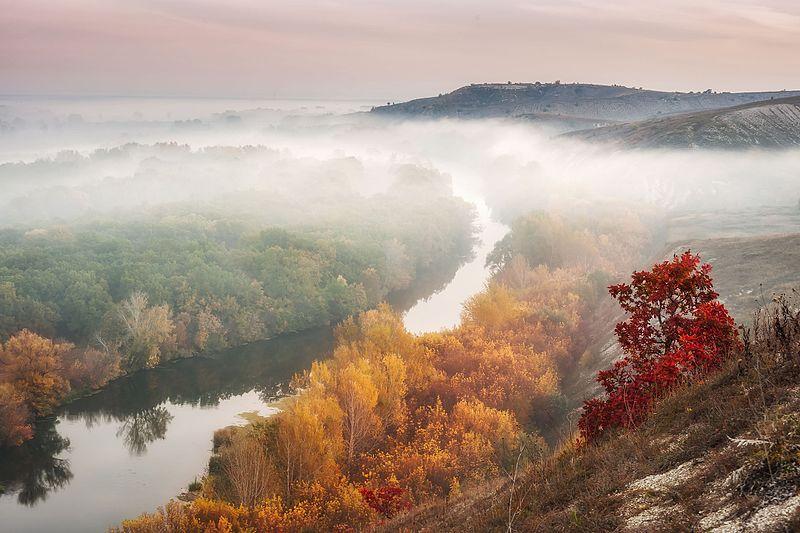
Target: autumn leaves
column 393, row 419
column 676, row 331
column 36, row 374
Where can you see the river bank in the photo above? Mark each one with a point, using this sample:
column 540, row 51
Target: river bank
column 139, row 441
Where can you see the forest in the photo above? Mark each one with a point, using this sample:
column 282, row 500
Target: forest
column 393, row 420
column 87, row 301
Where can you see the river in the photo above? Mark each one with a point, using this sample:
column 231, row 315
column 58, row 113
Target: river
column 141, row 440
column 442, row 309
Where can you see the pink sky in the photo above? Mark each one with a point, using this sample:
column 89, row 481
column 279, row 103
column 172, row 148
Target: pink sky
column 390, row 49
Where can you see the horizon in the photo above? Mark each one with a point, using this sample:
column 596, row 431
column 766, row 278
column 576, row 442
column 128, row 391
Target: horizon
column 390, row 50
column 355, row 99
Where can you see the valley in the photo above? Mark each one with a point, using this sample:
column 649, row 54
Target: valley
column 273, row 310
column 353, row 267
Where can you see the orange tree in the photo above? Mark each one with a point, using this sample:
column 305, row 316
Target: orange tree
column 33, row 365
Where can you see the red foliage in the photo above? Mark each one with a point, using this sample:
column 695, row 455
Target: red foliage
column 676, row 331
column 387, row 500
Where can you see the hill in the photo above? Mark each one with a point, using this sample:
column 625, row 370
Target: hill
column 753, row 252
column 573, row 106
column 770, row 124
column 718, row 455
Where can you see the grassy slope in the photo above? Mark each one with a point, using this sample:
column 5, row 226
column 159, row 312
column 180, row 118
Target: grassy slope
column 751, row 264
column 749, row 271
column 591, row 491
column 681, row 471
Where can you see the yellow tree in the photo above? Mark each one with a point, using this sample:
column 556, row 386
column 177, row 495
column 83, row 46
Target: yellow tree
column 149, row 330
column 494, row 308
column 357, row 396
column 309, row 439
column 248, row 469
column 390, row 380
column 379, row 333
column 376, row 332
column 497, row 427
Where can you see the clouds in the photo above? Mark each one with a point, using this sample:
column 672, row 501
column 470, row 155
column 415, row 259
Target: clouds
column 390, row 49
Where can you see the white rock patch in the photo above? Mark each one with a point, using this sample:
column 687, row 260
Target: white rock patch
column 667, row 480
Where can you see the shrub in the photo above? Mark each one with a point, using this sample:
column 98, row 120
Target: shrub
column 91, row 368
column 386, row 500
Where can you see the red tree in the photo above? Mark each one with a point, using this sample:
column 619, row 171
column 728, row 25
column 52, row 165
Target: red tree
column 676, row 330
column 386, row 500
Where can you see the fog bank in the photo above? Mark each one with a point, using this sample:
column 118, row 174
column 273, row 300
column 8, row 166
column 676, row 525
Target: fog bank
column 62, row 160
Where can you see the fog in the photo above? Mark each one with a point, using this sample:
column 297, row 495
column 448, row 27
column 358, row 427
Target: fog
column 72, row 159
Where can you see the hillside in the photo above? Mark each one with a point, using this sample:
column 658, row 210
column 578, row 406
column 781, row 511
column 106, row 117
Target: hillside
column 770, row 124
column 719, row 455
column 573, row 106
column 754, row 253
column 718, row 449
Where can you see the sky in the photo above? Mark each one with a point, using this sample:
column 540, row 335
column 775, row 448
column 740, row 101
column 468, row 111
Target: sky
column 390, row 49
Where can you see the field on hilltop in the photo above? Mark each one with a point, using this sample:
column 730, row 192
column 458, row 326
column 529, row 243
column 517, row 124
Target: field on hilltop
column 570, row 107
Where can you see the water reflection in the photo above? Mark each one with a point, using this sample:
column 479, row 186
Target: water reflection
column 204, row 381
column 34, row 469
column 140, row 429
column 136, row 406
column 431, row 282
column 142, row 439
column 441, row 309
